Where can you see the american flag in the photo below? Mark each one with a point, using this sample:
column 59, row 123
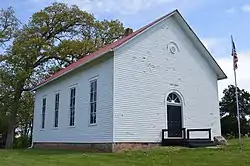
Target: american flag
column 234, row 54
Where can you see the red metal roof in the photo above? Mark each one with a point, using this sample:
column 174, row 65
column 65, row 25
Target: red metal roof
column 99, row 52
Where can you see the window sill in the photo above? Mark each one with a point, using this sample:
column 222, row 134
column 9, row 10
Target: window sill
column 94, row 124
column 55, row 128
column 72, row 126
column 41, row 129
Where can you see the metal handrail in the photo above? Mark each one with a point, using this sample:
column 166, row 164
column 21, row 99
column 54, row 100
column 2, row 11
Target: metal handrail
column 194, row 130
column 183, row 133
column 186, row 133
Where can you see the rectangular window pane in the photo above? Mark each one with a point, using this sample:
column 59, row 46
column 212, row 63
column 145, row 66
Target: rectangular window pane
column 43, row 113
column 93, row 98
column 91, row 119
column 71, row 121
column 56, row 119
column 94, row 84
column 44, row 102
column 73, row 102
column 91, row 87
column 56, row 110
column 94, row 117
column 43, row 121
column 72, row 106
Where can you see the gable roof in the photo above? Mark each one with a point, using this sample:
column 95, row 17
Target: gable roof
column 120, row 42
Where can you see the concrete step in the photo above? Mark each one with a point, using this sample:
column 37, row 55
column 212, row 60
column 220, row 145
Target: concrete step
column 195, row 143
column 192, row 143
column 174, row 142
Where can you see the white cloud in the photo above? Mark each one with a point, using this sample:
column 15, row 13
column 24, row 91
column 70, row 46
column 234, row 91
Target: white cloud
column 243, row 75
column 111, row 6
column 210, row 43
column 246, row 8
column 123, row 7
column 231, row 10
column 218, row 47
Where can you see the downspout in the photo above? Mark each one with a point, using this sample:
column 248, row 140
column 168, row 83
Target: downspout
column 32, row 128
column 31, row 146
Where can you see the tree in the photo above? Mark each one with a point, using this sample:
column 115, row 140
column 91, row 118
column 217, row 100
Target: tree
column 53, row 38
column 8, row 25
column 25, row 119
column 229, row 113
column 25, row 110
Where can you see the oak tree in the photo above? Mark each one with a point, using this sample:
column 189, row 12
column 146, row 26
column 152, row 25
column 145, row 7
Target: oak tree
column 53, row 38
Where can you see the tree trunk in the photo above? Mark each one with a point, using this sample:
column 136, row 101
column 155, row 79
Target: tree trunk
column 13, row 118
column 10, row 134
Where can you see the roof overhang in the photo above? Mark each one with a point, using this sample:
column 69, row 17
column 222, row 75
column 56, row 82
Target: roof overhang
column 76, row 66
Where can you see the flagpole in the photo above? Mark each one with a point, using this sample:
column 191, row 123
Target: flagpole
column 237, row 99
column 237, row 106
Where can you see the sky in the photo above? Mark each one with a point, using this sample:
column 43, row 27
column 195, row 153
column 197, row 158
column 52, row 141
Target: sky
column 212, row 20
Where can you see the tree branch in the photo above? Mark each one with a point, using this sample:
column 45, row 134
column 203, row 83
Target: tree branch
column 45, row 59
column 27, row 89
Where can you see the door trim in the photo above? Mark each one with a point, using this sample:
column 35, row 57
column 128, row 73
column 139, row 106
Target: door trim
column 182, row 104
column 176, row 116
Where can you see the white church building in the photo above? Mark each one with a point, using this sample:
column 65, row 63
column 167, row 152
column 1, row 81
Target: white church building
column 153, row 84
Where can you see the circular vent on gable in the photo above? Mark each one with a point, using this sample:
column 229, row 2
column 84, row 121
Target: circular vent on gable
column 172, row 48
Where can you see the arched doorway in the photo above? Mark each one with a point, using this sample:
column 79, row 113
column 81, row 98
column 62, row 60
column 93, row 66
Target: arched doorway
column 174, row 115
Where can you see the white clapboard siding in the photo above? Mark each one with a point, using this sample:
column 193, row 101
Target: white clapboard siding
column 82, row 132
column 145, row 72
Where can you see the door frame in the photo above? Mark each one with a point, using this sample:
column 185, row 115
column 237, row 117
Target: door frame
column 182, row 103
column 179, row 118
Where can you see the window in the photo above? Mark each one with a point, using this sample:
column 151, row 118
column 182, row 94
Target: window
column 43, row 112
column 173, row 98
column 57, row 96
column 93, row 95
column 72, row 106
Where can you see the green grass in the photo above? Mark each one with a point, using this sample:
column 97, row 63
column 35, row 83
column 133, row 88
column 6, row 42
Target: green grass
column 229, row 155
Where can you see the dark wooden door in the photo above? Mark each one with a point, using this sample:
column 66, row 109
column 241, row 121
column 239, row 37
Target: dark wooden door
column 174, row 121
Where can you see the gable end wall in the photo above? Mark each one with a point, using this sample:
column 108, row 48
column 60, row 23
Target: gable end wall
column 145, row 72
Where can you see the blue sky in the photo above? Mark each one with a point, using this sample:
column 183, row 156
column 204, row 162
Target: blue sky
column 212, row 20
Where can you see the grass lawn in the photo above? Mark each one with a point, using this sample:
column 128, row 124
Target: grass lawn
column 230, row 155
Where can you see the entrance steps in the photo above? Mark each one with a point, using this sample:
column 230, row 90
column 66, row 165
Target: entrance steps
column 184, row 138
column 196, row 143
column 191, row 143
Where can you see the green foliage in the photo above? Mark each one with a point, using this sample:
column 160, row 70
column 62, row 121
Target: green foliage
column 22, row 142
column 53, row 38
column 8, row 25
column 229, row 113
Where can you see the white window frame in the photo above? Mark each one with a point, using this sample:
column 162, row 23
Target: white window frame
column 56, row 109
column 174, row 99
column 71, row 107
column 43, row 117
column 93, row 101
